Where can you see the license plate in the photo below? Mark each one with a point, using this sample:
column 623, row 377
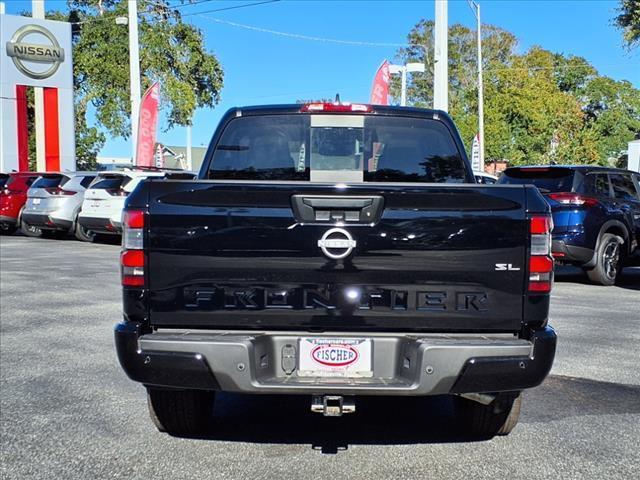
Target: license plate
column 94, row 205
column 36, row 201
column 334, row 357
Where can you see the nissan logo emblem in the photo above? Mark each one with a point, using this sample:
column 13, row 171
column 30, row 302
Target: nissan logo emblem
column 25, row 53
column 337, row 243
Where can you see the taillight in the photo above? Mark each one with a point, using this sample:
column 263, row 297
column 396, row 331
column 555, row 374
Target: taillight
column 132, row 259
column 540, row 260
column 336, row 107
column 60, row 191
column 575, row 199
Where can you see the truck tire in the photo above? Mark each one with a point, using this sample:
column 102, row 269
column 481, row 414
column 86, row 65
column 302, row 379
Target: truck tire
column 608, row 261
column 486, row 421
column 181, row 412
column 82, row 233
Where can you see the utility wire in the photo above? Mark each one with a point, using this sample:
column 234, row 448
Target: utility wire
column 382, row 44
column 331, row 40
column 301, row 36
column 231, row 8
column 190, row 4
column 169, row 7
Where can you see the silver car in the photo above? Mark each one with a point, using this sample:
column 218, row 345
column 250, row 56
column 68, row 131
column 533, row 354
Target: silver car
column 54, row 202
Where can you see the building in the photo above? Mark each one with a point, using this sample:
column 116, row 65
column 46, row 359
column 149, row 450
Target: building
column 113, row 163
column 496, row 167
column 176, row 157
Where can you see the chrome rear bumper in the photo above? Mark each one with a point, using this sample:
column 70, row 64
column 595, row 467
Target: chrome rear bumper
column 403, row 364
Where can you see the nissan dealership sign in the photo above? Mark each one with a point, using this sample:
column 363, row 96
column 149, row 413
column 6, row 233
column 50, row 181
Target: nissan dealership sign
column 36, row 60
column 36, row 53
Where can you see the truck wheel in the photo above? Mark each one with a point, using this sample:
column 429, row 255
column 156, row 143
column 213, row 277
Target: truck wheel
column 498, row 418
column 181, row 412
column 29, row 230
column 82, row 233
column 609, row 260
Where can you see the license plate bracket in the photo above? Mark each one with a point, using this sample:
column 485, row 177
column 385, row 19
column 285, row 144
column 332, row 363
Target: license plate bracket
column 335, row 357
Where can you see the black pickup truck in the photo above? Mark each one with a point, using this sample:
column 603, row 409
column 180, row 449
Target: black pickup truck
column 335, row 250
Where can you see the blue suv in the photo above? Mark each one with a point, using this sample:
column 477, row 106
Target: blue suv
column 596, row 214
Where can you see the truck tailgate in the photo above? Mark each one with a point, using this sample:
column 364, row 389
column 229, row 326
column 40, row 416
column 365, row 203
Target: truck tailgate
column 249, row 255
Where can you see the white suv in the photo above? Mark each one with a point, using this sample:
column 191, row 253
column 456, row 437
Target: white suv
column 104, row 199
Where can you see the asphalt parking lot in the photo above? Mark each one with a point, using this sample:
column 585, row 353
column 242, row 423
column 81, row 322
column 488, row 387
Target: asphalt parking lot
column 68, row 411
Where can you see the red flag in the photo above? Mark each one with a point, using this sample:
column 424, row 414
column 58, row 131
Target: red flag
column 380, row 89
column 147, row 124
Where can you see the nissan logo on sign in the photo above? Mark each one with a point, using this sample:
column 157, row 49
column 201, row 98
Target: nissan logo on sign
column 35, row 59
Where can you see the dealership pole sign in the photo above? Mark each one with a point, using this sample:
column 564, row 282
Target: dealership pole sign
column 36, row 53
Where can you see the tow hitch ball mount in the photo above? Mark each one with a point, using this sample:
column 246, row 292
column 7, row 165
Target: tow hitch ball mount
column 332, row 405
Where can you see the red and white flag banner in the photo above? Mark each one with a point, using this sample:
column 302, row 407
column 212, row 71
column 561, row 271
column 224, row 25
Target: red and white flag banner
column 147, row 125
column 380, row 88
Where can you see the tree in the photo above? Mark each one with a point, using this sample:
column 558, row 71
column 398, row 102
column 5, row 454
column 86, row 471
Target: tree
column 572, row 73
column 498, row 48
column 540, row 106
column 612, row 112
column 171, row 52
column 628, row 20
column 543, row 124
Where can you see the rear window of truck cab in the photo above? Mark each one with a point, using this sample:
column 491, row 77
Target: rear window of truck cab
column 327, row 148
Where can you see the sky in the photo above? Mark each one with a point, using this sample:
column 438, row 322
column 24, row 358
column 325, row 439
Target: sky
column 262, row 67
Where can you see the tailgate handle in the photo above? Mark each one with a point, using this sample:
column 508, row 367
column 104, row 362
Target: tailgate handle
column 337, row 208
column 333, row 202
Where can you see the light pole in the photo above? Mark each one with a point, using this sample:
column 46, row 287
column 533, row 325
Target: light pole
column 441, row 58
column 134, row 73
column 402, row 70
column 476, row 10
column 38, row 11
column 134, row 69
